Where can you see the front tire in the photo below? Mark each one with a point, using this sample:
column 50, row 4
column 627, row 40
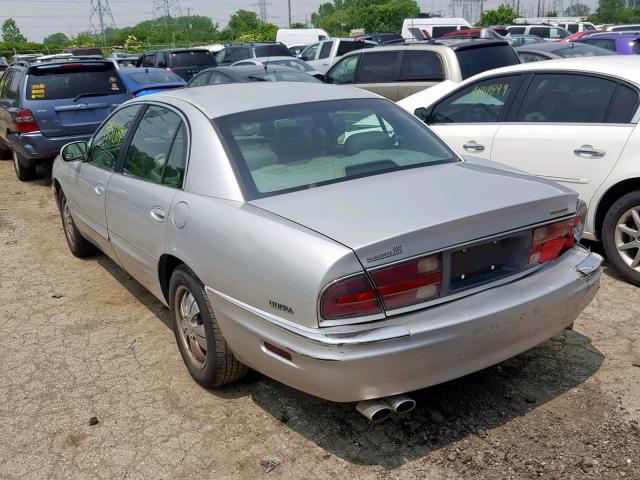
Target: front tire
column 203, row 348
column 80, row 247
column 621, row 236
column 23, row 172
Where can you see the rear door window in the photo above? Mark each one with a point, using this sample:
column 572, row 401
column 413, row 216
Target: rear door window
column 192, row 58
column 378, row 67
column 516, row 30
column 69, row 81
column 218, row 78
column 480, row 59
column 528, row 57
column 566, row 98
column 480, row 102
column 421, row 66
column 151, row 145
column 572, row 27
column 624, row 106
column 542, row 32
column 107, row 142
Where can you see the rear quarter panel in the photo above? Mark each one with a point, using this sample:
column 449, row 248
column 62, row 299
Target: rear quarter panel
column 256, row 257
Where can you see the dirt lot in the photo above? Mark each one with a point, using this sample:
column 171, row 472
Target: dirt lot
column 81, row 339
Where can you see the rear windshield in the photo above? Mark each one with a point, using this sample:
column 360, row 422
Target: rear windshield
column 276, row 50
column 279, row 76
column 164, row 76
column 192, row 58
column 296, row 147
column 583, row 51
column 477, row 60
column 71, row 80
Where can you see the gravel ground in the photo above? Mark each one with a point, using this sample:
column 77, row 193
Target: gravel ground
column 80, row 339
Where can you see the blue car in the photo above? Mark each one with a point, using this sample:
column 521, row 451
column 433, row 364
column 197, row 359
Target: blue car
column 44, row 106
column 143, row 81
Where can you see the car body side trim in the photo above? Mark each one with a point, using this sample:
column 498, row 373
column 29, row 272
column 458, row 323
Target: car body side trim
column 334, row 338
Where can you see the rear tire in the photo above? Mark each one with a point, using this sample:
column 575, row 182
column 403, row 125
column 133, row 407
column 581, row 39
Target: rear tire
column 23, row 172
column 621, row 236
column 80, row 247
column 203, row 348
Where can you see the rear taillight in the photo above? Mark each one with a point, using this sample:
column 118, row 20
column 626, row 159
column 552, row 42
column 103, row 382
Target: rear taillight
column 550, row 241
column 397, row 286
column 408, row 283
column 171, row 70
column 25, row 123
column 351, row 297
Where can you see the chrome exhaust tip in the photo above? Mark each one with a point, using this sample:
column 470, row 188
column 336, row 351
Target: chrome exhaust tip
column 375, row 410
column 400, row 403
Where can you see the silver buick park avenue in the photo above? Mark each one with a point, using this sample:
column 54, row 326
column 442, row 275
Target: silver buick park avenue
column 326, row 238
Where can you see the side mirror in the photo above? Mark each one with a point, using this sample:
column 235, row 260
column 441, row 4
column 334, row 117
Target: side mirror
column 320, row 77
column 74, row 151
column 423, row 114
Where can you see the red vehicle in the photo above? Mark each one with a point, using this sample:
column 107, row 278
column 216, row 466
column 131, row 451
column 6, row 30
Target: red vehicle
column 475, row 32
column 577, row 36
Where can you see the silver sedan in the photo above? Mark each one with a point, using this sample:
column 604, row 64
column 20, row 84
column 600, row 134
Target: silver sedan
column 324, row 237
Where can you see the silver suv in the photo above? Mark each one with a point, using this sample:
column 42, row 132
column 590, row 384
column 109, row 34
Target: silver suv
column 397, row 71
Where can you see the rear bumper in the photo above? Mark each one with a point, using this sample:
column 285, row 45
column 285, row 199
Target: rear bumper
column 419, row 349
column 35, row 147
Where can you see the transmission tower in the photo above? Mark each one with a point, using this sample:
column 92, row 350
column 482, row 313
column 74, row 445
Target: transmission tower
column 263, row 10
column 101, row 18
column 163, row 10
column 470, row 10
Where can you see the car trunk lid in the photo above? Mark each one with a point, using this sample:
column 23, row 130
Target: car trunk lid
column 389, row 217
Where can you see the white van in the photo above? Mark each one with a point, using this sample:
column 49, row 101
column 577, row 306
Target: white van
column 414, row 29
column 571, row 24
column 297, row 36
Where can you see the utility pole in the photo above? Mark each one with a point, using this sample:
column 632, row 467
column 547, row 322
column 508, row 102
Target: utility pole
column 289, row 5
column 101, row 19
column 163, row 10
column 263, row 10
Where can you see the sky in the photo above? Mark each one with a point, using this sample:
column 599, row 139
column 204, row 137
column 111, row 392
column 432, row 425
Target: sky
column 39, row 18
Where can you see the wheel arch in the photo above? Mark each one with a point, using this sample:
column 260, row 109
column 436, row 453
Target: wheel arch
column 609, row 198
column 166, row 266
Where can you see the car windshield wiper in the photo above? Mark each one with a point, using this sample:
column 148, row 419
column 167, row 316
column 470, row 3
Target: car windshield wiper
column 88, row 94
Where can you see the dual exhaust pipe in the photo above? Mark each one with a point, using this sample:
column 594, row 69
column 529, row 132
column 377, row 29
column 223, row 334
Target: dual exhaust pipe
column 379, row 409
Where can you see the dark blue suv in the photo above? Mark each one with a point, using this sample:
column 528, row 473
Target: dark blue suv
column 44, row 106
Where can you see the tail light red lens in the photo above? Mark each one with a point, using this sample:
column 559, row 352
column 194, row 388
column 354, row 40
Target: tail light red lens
column 397, row 286
column 549, row 241
column 351, row 297
column 25, row 123
column 408, row 283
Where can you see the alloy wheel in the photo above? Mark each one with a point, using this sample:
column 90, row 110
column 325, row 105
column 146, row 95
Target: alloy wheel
column 68, row 224
column 627, row 237
column 191, row 328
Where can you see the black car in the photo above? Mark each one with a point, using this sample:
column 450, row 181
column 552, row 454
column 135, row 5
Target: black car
column 185, row 62
column 241, row 51
column 250, row 73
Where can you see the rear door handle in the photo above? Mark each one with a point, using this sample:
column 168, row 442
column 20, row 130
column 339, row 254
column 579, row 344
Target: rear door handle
column 99, row 189
column 473, row 146
column 587, row 151
column 158, row 214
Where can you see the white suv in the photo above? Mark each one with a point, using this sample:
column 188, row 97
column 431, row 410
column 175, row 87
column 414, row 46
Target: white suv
column 574, row 121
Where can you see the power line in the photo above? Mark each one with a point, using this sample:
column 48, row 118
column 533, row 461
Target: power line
column 101, row 18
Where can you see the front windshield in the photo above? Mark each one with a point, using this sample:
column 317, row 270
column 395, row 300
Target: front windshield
column 294, row 147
